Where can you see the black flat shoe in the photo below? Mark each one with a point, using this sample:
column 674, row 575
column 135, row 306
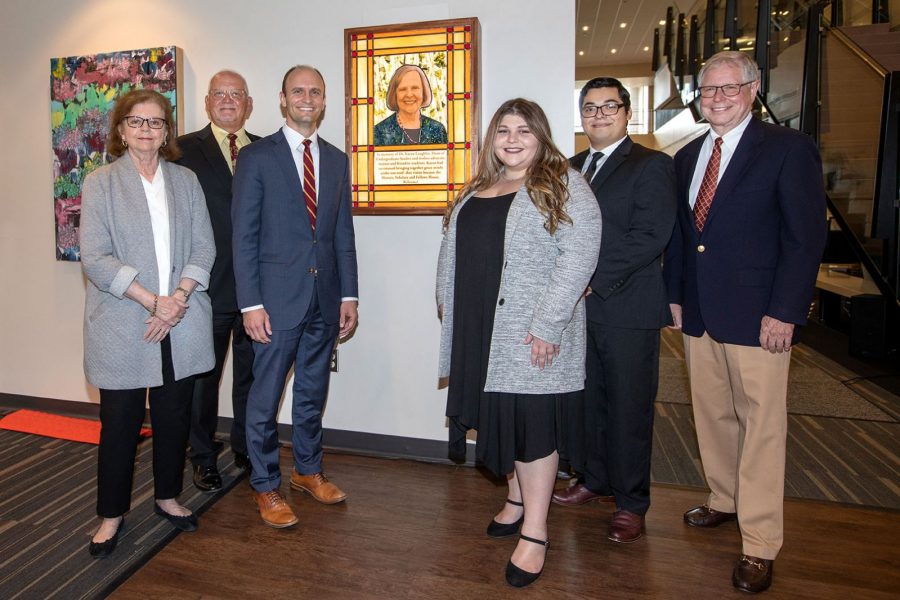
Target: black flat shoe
column 104, row 549
column 500, row 530
column 519, row 578
column 188, row 523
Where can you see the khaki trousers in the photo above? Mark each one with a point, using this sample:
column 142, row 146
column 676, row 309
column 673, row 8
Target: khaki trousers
column 739, row 395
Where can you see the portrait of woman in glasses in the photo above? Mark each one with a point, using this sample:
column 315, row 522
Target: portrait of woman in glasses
column 408, row 93
column 147, row 251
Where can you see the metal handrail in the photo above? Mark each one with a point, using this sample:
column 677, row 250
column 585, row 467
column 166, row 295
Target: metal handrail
column 855, row 49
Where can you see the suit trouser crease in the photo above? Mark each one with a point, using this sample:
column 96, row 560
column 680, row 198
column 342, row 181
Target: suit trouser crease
column 205, row 405
column 307, row 347
column 121, row 415
column 622, row 379
column 739, row 396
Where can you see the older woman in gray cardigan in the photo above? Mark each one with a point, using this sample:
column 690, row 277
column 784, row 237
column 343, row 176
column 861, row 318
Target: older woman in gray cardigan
column 520, row 245
column 147, row 250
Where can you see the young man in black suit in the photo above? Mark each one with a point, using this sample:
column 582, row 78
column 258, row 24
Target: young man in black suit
column 626, row 307
column 211, row 154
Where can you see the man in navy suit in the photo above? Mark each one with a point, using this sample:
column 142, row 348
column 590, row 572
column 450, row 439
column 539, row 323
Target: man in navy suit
column 626, row 307
column 295, row 267
column 211, row 154
column 740, row 272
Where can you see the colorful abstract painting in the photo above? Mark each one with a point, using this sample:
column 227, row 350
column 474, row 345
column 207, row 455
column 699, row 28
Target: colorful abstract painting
column 83, row 90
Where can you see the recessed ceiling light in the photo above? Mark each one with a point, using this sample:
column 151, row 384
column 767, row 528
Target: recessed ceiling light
column 623, row 25
column 584, row 27
column 613, row 51
column 581, row 53
column 646, row 48
column 785, row 38
column 663, row 22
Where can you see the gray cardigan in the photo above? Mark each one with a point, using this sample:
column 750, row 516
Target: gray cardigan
column 544, row 277
column 116, row 249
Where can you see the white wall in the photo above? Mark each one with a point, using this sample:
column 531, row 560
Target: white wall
column 386, row 383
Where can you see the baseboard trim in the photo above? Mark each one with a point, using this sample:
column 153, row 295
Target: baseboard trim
column 334, row 440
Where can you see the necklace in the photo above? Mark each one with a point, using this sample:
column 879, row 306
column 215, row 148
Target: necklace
column 409, row 137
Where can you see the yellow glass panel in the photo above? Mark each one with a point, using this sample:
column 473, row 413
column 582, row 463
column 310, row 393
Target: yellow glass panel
column 459, row 37
column 361, row 43
column 362, row 134
column 362, row 77
column 412, row 196
column 459, row 122
column 362, row 174
column 459, row 71
column 462, row 161
column 408, row 41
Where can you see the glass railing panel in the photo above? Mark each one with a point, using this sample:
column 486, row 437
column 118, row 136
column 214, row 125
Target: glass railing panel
column 787, row 34
column 850, row 124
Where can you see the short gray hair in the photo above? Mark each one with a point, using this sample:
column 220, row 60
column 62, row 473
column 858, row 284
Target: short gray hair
column 731, row 57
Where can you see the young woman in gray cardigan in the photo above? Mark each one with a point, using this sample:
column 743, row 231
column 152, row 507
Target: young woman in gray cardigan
column 520, row 245
column 147, row 250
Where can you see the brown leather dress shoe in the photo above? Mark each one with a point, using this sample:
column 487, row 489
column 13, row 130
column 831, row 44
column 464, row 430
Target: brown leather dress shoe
column 704, row 516
column 318, row 486
column 274, row 510
column 752, row 574
column 578, row 494
column 625, row 527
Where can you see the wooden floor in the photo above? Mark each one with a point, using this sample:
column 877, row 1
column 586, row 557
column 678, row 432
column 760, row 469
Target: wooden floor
column 416, row 530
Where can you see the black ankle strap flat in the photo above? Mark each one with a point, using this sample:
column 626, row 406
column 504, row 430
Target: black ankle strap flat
column 544, row 543
column 513, row 502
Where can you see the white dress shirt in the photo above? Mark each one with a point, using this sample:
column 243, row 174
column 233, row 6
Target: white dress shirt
column 729, row 144
column 159, row 220
column 606, row 152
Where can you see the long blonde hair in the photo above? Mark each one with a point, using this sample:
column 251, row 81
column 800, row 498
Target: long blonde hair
column 545, row 180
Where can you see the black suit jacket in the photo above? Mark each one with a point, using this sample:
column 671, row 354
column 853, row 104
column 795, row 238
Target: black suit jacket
column 635, row 188
column 201, row 154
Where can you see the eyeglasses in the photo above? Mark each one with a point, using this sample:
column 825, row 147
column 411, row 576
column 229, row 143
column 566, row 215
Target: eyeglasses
column 608, row 109
column 138, row 122
column 729, row 89
column 236, row 95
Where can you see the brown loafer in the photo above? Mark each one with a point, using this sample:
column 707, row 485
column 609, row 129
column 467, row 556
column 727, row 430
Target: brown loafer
column 704, row 516
column 752, row 574
column 274, row 510
column 318, row 486
column 578, row 494
column 625, row 527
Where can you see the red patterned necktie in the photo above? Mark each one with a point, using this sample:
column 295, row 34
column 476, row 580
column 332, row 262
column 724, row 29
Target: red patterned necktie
column 232, row 146
column 708, row 186
column 309, row 183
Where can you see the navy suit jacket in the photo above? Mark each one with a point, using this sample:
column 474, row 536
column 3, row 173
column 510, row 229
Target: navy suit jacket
column 201, row 154
column 635, row 189
column 760, row 248
column 278, row 259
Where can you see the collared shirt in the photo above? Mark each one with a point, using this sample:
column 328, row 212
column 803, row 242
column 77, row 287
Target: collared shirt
column 155, row 192
column 295, row 140
column 225, row 146
column 606, row 153
column 729, row 144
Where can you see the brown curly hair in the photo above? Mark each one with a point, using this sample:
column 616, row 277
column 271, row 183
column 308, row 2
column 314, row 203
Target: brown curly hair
column 114, row 143
column 546, row 179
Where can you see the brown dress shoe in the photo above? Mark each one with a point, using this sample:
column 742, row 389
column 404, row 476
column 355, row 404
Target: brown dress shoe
column 752, row 574
column 318, row 486
column 704, row 516
column 625, row 527
column 578, row 494
column 274, row 510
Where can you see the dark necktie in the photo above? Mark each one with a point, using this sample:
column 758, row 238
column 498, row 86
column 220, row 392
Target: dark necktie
column 708, row 186
column 232, row 146
column 309, row 183
column 592, row 167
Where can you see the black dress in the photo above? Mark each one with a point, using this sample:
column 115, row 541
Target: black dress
column 511, row 427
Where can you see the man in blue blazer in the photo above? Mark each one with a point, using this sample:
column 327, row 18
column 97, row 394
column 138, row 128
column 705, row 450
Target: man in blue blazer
column 295, row 268
column 740, row 272
column 211, row 154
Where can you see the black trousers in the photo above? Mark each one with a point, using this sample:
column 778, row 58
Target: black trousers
column 622, row 379
column 121, row 415
column 205, row 404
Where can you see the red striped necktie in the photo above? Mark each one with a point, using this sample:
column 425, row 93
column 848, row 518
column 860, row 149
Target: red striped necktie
column 309, row 183
column 708, row 186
